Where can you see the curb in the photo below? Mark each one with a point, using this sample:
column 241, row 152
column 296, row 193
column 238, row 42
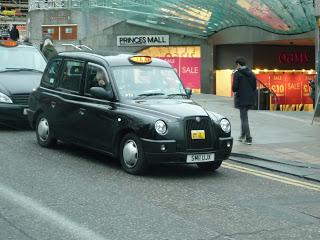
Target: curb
column 284, row 162
column 301, row 171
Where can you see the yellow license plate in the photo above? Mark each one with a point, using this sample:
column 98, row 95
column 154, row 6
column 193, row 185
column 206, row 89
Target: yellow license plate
column 198, row 134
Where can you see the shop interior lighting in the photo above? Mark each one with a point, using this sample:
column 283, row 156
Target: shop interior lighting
column 311, row 71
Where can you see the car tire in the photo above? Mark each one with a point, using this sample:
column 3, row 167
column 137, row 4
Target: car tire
column 131, row 154
column 210, row 166
column 43, row 132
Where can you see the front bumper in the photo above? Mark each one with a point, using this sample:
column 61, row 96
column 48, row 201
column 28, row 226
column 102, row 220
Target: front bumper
column 12, row 114
column 155, row 155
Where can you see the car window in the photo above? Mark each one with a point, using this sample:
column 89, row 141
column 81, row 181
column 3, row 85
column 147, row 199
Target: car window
column 21, row 57
column 133, row 81
column 50, row 76
column 96, row 77
column 71, row 75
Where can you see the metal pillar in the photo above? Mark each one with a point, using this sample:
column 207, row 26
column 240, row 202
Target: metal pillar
column 316, row 116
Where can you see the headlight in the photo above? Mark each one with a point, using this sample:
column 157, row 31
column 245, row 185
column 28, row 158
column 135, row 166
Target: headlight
column 161, row 127
column 225, row 125
column 4, row 98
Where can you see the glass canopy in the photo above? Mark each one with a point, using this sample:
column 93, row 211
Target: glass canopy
column 201, row 18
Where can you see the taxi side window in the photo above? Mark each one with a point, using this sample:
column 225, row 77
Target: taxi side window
column 51, row 74
column 96, row 77
column 71, row 75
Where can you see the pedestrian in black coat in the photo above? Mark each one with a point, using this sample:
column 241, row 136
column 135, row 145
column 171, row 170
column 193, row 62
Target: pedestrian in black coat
column 312, row 91
column 14, row 33
column 244, row 86
column 48, row 49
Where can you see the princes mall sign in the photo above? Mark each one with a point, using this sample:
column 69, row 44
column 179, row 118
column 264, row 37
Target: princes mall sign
column 142, row 40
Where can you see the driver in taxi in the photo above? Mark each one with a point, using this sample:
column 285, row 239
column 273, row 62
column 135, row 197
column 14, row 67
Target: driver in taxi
column 100, row 79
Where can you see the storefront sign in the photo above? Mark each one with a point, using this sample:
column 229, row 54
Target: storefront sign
column 294, row 58
column 60, row 19
column 142, row 40
column 8, row 13
column 284, row 57
column 21, row 27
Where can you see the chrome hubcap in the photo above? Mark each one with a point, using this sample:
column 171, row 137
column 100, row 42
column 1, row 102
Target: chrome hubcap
column 43, row 129
column 130, row 153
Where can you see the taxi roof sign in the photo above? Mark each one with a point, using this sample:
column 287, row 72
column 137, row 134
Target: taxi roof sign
column 9, row 43
column 140, row 59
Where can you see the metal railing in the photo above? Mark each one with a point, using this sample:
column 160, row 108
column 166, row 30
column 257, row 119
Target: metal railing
column 67, row 4
column 54, row 4
column 270, row 97
column 13, row 3
column 79, row 47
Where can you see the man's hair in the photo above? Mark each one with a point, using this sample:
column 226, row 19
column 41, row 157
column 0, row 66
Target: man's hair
column 47, row 42
column 241, row 61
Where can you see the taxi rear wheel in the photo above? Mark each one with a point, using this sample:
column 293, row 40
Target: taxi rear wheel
column 210, row 166
column 131, row 154
column 43, row 131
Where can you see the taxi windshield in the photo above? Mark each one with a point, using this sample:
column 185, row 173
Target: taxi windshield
column 136, row 82
column 24, row 58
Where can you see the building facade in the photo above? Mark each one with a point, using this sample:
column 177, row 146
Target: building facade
column 204, row 64
column 13, row 12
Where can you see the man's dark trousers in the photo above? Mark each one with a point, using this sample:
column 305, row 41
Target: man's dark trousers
column 245, row 130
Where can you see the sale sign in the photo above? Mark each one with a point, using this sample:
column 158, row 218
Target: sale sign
column 277, row 84
column 306, row 89
column 263, row 79
column 190, row 72
column 293, row 87
column 174, row 62
column 290, row 88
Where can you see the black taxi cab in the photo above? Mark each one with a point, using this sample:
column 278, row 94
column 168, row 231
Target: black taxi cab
column 21, row 69
column 133, row 108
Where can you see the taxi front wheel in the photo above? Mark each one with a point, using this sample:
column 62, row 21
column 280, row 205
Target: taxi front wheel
column 131, row 154
column 43, row 131
column 210, row 166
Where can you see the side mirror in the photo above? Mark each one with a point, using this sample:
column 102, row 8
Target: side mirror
column 188, row 92
column 102, row 93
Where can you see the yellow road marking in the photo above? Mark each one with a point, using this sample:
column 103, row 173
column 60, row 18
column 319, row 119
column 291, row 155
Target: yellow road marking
column 271, row 176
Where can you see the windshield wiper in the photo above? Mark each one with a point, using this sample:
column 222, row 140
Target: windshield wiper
column 177, row 94
column 21, row 69
column 144, row 95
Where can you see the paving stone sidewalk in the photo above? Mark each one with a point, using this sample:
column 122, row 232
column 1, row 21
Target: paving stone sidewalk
column 282, row 141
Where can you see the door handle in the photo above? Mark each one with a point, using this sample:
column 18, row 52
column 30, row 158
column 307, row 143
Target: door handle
column 82, row 111
column 53, row 104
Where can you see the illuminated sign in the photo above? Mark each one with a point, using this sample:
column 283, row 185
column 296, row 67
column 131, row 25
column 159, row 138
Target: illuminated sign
column 8, row 12
column 8, row 43
column 294, row 57
column 140, row 59
column 142, row 40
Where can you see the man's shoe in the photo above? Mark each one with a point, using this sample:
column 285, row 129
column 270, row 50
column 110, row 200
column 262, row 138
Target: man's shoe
column 248, row 141
column 241, row 139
